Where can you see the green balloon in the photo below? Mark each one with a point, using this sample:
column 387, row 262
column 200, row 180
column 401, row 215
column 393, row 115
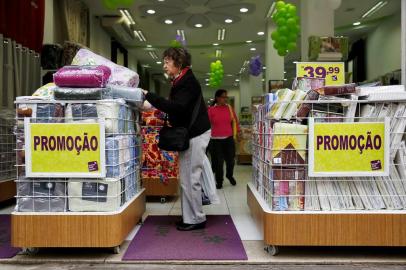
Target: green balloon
column 109, row 4
column 283, row 41
column 281, row 52
column 292, row 46
column 291, row 37
column 291, row 22
column 275, row 35
column 218, row 62
column 291, row 9
column 283, row 30
column 280, row 4
column 283, row 11
column 281, row 22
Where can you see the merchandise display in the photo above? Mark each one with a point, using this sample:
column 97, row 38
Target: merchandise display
column 82, row 76
column 281, row 152
column 119, row 75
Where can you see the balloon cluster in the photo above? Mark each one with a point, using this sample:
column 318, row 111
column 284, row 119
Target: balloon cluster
column 288, row 28
column 178, row 42
column 255, row 66
column 216, row 74
column 114, row 4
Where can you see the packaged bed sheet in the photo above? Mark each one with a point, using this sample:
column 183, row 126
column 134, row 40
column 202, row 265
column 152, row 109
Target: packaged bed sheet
column 82, row 76
column 98, row 196
column 119, row 75
column 69, row 93
column 41, row 195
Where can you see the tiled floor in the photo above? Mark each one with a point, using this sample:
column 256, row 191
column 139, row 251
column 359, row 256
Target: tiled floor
column 233, row 201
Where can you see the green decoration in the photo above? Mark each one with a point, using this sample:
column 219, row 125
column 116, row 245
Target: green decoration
column 216, row 74
column 288, row 28
column 114, row 4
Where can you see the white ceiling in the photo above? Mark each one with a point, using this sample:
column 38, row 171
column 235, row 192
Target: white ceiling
column 186, row 13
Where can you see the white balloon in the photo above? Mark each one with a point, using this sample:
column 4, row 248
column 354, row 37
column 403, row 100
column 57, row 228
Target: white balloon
column 334, row 4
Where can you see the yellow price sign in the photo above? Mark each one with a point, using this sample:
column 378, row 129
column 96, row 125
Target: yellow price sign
column 332, row 72
column 64, row 149
column 349, row 149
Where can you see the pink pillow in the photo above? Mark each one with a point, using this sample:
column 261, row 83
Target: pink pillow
column 82, row 76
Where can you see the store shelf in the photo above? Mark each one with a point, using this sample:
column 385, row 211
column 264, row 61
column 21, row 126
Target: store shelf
column 291, row 228
column 7, row 190
column 74, row 229
column 155, row 187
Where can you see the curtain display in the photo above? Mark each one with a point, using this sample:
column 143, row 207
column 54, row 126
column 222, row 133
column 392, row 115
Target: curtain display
column 20, row 71
column 76, row 19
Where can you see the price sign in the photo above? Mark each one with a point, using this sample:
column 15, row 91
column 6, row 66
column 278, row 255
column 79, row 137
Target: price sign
column 332, row 72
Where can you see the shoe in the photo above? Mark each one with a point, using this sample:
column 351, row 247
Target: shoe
column 232, row 181
column 191, row 227
column 219, row 186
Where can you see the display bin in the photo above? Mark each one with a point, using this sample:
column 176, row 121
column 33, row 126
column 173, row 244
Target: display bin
column 299, row 196
column 160, row 170
column 7, row 155
column 58, row 203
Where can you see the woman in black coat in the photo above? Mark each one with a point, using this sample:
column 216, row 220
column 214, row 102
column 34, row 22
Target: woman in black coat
column 185, row 94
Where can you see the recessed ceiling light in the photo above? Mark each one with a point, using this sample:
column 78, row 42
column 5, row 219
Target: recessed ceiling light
column 198, row 25
column 149, row 46
column 249, row 41
column 260, row 33
column 207, row 80
column 215, row 44
column 167, row 21
column 263, row 80
column 284, row 72
column 151, row 11
column 207, row 84
column 243, row 10
column 228, row 21
column 229, row 75
column 356, row 23
column 237, row 80
column 159, row 62
column 161, row 0
column 264, row 67
column 253, row 49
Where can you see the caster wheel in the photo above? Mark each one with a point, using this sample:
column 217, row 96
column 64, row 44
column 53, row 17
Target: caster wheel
column 116, row 250
column 163, row 200
column 30, row 251
column 272, row 250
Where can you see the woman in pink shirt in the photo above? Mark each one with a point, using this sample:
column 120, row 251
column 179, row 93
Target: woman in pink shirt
column 222, row 146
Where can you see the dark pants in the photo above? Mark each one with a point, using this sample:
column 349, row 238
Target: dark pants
column 222, row 150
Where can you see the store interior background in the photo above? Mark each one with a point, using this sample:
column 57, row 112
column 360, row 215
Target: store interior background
column 380, row 33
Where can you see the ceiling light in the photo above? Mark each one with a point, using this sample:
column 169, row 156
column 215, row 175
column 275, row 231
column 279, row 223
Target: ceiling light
column 151, row 11
column 215, row 44
column 237, row 80
column 284, row 72
column 161, row 0
column 228, row 20
column 207, row 80
column 285, row 79
column 181, row 33
column 218, row 53
column 356, row 23
column 149, row 46
column 260, row 33
column 153, row 55
column 140, row 35
column 249, row 41
column 159, row 62
column 207, row 84
column 243, row 10
column 198, row 25
column 263, row 80
column 229, row 75
column 127, row 16
column 375, row 8
column 264, row 67
column 221, row 34
column 253, row 49
column 167, row 21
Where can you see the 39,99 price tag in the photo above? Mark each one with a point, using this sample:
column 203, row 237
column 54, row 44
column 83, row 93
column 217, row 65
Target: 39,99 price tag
column 333, row 73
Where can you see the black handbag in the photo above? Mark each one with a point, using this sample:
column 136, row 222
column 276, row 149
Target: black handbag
column 176, row 138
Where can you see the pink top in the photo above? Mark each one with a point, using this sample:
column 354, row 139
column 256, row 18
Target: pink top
column 220, row 120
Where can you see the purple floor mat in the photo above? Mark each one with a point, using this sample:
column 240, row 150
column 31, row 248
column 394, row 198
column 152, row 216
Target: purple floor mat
column 158, row 239
column 6, row 250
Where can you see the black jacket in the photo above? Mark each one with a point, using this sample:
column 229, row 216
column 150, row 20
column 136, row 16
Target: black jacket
column 182, row 100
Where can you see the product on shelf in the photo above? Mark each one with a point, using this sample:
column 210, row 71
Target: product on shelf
column 337, row 90
column 82, row 76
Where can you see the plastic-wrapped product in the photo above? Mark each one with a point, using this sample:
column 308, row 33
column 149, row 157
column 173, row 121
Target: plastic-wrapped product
column 114, row 111
column 68, row 93
column 119, row 75
column 81, row 112
column 99, row 195
column 82, row 76
column 304, row 108
column 337, row 90
column 49, row 113
column 46, row 91
column 41, row 195
column 130, row 94
column 51, row 55
column 117, row 156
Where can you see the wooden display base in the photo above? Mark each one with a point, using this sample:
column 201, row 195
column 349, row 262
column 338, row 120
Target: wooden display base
column 332, row 228
column 7, row 190
column 244, row 159
column 73, row 229
column 154, row 187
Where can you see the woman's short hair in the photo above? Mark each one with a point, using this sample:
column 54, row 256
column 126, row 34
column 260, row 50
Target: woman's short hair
column 180, row 56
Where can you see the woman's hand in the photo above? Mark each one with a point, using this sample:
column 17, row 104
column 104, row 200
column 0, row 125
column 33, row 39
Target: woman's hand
column 144, row 91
